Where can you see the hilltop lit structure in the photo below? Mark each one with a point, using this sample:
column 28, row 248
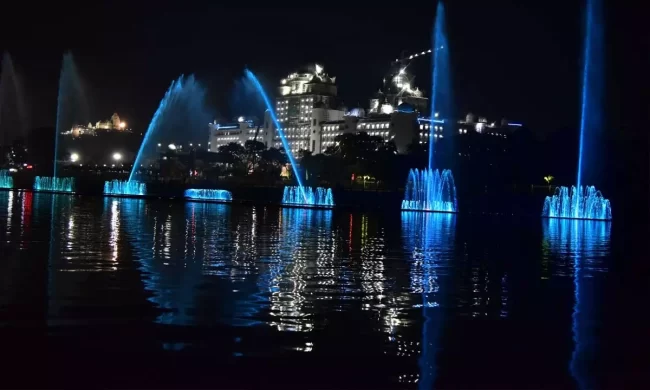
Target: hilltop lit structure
column 112, row 124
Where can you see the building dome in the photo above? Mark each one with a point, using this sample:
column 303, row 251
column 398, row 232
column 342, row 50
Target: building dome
column 357, row 111
column 406, row 108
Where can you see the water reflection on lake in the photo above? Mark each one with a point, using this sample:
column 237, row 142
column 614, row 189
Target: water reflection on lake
column 399, row 299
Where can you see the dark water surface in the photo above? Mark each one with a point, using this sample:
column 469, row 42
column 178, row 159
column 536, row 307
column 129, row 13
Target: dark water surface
column 122, row 292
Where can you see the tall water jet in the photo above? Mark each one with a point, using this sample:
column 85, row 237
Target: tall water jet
column 72, row 103
column 6, row 181
column 307, row 196
column 180, row 119
column 430, row 190
column 441, row 99
column 13, row 114
column 591, row 119
column 125, row 188
column 584, row 201
column 208, row 195
column 253, row 79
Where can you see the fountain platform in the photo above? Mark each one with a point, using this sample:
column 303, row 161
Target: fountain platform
column 430, row 190
column 583, row 202
column 63, row 185
column 298, row 196
column 125, row 188
column 6, row 181
column 208, row 195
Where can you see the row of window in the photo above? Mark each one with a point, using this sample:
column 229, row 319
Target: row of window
column 427, row 127
column 373, row 125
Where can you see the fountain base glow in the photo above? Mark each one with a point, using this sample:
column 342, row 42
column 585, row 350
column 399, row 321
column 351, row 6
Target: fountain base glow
column 54, row 184
column 125, row 188
column 6, row 181
column 584, row 202
column 208, row 195
column 430, row 190
column 308, row 197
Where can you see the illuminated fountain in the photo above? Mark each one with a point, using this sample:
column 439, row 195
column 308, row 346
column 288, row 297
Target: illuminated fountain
column 180, row 118
column 72, row 108
column 54, row 184
column 430, row 189
column 213, row 195
column 6, row 181
column 293, row 195
column 579, row 203
column 125, row 188
column 307, row 196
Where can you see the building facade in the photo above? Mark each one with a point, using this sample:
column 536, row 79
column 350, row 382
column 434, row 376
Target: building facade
column 241, row 131
column 305, row 101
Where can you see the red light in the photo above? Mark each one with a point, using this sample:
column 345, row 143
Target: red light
column 29, row 167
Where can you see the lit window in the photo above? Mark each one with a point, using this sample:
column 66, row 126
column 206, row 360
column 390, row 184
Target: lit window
column 421, row 127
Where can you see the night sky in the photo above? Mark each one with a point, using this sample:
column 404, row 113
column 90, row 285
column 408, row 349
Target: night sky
column 519, row 60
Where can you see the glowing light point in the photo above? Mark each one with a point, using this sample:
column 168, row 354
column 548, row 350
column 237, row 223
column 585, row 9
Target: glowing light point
column 240, row 119
column 74, row 157
column 122, row 125
column 171, row 147
column 117, row 156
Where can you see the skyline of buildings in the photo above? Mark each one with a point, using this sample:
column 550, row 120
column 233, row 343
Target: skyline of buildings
column 311, row 116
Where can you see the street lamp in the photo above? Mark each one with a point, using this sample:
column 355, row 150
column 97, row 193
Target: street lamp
column 74, row 157
column 171, row 147
column 117, row 156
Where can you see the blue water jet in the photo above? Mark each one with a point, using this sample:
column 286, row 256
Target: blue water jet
column 430, row 190
column 206, row 194
column 308, row 197
column 13, row 115
column 180, row 118
column 441, row 98
column 6, row 181
column 579, row 203
column 591, row 120
column 54, row 184
column 72, row 104
column 125, row 187
column 253, row 79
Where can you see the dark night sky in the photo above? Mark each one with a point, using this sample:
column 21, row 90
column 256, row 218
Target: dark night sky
column 519, row 60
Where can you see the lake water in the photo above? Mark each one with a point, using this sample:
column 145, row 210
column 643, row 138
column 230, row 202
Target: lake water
column 126, row 292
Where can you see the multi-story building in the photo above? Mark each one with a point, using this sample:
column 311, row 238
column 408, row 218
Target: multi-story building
column 241, row 131
column 399, row 126
column 397, row 88
column 305, row 101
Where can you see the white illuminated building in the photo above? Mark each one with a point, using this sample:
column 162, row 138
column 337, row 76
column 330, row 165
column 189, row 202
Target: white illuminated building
column 241, row 131
column 306, row 101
